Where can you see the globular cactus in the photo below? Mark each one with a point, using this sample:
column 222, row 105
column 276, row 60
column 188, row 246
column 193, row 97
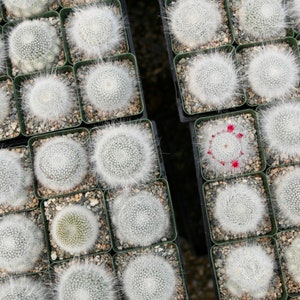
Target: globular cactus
column 75, row 229
column 262, row 19
column 33, row 45
column 109, row 86
column 280, row 128
column 149, row 277
column 225, row 148
column 213, row 79
column 21, row 243
column 48, row 98
column 291, row 254
column 4, row 104
column 273, row 73
column 239, row 208
column 287, row 195
column 23, row 288
column 194, row 22
column 61, row 163
column 124, row 155
column 95, row 30
column 139, row 219
column 85, row 281
column 26, row 8
column 294, row 11
column 14, row 179
column 249, row 269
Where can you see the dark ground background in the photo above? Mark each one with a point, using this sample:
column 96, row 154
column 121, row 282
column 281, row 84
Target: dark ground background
column 155, row 74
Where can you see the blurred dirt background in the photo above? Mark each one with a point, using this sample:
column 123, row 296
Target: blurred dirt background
column 150, row 47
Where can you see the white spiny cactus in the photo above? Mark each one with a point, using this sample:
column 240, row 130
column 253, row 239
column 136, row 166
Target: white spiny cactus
column 33, row 45
column 26, row 8
column 109, row 86
column 139, row 219
column 274, row 73
column 21, row 243
column 124, row 155
column 262, row 19
column 149, row 277
column 14, row 179
column 23, row 288
column 48, row 98
column 213, row 79
column 249, row 269
column 4, row 104
column 75, row 229
column 292, row 254
column 2, row 55
column 61, row 163
column 239, row 208
column 280, row 128
column 85, row 281
column 294, row 11
column 287, row 195
column 194, row 22
column 95, row 30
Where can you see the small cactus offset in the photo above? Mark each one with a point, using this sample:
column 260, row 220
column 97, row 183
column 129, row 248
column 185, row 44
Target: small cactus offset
column 292, row 253
column 249, row 269
column 95, row 30
column 149, row 277
column 48, row 98
column 194, row 22
column 85, row 281
column 21, row 243
column 26, row 8
column 75, row 229
column 280, row 128
column 14, row 179
column 124, row 155
column 262, row 19
column 239, row 208
column 23, row 288
column 109, row 86
column 213, row 79
column 33, row 45
column 139, row 219
column 287, row 195
column 61, row 163
column 4, row 104
column 274, row 73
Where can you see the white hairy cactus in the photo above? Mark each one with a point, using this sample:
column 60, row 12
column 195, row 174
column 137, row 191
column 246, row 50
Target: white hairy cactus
column 239, row 208
column 292, row 254
column 109, row 86
column 33, row 45
column 23, row 288
column 294, row 11
column 75, row 229
column 213, row 79
column 14, row 179
column 4, row 104
column 287, row 195
column 61, row 163
column 249, row 269
column 48, row 98
column 262, row 19
column 26, row 8
column 149, row 277
column 139, row 219
column 124, row 155
column 273, row 73
column 85, row 281
column 194, row 22
column 21, row 243
column 225, row 148
column 94, row 30
column 280, row 128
